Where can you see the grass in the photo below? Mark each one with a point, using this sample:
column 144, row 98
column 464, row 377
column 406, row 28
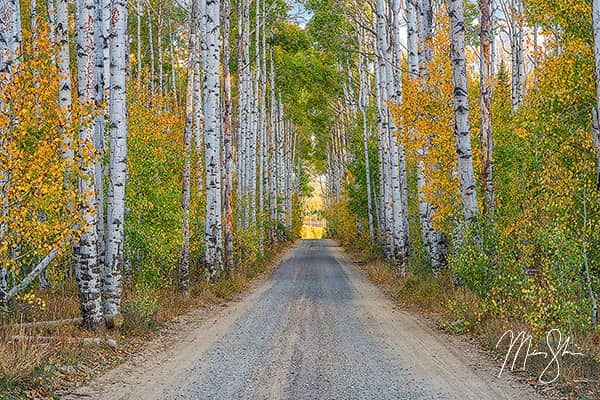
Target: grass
column 32, row 369
column 459, row 311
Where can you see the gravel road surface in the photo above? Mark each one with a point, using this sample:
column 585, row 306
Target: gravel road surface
column 316, row 329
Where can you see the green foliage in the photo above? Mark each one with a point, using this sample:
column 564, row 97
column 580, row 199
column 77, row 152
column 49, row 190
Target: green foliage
column 153, row 219
column 141, row 309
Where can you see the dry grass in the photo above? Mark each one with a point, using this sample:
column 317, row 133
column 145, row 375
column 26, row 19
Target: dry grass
column 459, row 311
column 35, row 369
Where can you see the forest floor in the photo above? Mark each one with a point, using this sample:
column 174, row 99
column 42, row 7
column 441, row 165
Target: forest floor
column 316, row 329
column 31, row 368
column 456, row 314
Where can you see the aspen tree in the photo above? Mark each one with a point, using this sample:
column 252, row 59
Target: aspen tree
column 485, row 104
column 596, row 110
column 212, row 134
column 87, row 268
column 462, row 126
column 10, row 47
column 184, row 259
column 227, row 140
column 115, row 240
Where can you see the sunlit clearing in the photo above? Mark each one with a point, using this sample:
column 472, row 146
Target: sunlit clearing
column 314, row 225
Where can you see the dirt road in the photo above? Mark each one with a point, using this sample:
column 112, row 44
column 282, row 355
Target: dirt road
column 316, row 329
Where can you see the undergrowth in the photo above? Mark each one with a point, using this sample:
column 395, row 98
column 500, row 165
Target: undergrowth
column 35, row 369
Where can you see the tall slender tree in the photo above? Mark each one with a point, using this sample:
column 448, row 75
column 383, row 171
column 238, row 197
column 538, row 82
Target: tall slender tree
column 485, row 88
column 227, row 139
column 596, row 110
column 10, row 47
column 184, row 259
column 115, row 242
column 212, row 134
column 434, row 241
column 87, row 269
column 462, row 127
column 363, row 103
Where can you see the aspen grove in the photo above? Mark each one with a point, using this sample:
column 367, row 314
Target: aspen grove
column 472, row 166
column 142, row 142
column 164, row 146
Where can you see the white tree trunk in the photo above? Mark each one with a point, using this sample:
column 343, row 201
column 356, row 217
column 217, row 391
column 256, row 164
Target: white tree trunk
column 198, row 109
column 462, row 126
column 10, row 47
column 101, row 38
column 159, row 49
column 184, row 260
column 363, row 104
column 263, row 118
column 384, row 166
column 435, row 242
column 412, row 34
column 34, row 26
column 518, row 65
column 64, row 75
column 596, row 110
column 388, row 88
column 151, row 45
column 87, row 269
column 139, row 43
column 227, row 140
column 259, row 125
column 173, row 64
column 115, row 240
column 485, row 7
column 244, row 88
column 51, row 23
column 281, row 166
column 273, row 181
column 212, row 135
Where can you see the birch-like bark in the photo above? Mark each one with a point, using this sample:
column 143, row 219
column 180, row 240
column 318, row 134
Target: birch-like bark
column 138, row 13
column 462, row 126
column 435, row 242
column 212, row 135
column 363, row 104
column 51, row 23
column 10, row 46
column 172, row 56
column 34, row 26
column 252, row 147
column 199, row 102
column 384, row 166
column 388, row 89
column 198, row 121
column 596, row 110
column 244, row 86
column 273, row 143
column 263, row 118
column 485, row 105
column 87, row 270
column 281, row 166
column 159, row 49
column 517, row 52
column 227, row 140
column 412, row 34
column 397, row 47
column 65, row 100
column 101, row 38
column 115, row 239
column 151, row 48
column 184, row 260
column 259, row 125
